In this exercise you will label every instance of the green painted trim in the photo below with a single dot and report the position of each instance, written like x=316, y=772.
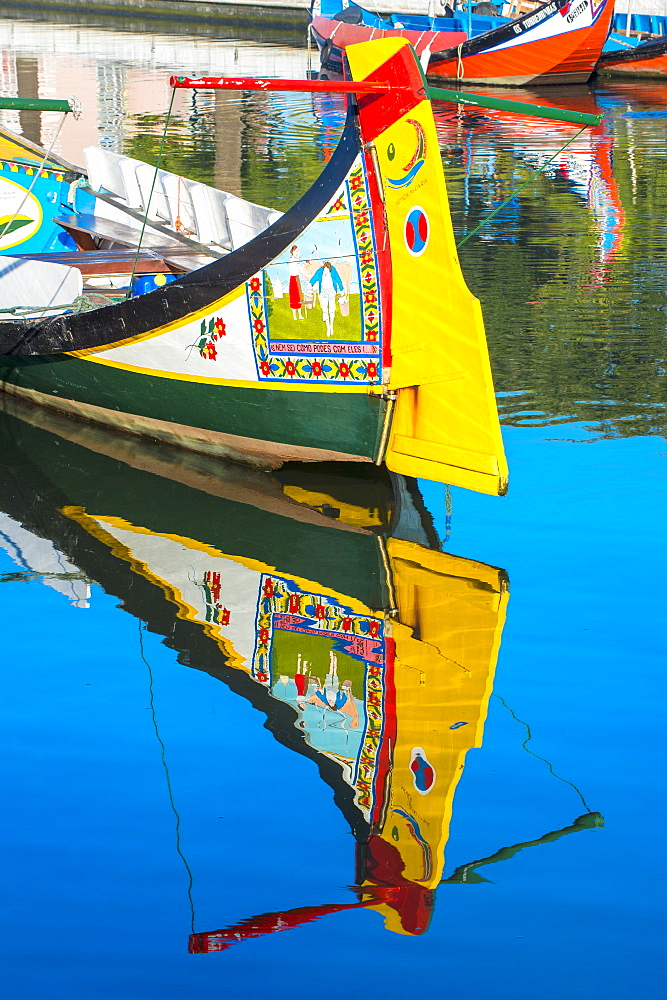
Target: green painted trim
x=516, y=107
x=33, y=104
x=342, y=422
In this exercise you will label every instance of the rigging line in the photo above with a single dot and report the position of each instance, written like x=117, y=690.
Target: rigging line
x=150, y=195
x=163, y=755
x=520, y=188
x=536, y=755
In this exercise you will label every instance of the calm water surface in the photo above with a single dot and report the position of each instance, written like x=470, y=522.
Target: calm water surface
x=165, y=787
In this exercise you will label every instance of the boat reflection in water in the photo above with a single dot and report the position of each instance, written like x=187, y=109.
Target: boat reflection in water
x=323, y=599
x=578, y=159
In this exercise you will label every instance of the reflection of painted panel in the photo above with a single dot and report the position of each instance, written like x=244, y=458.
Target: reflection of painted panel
x=329, y=663
x=326, y=659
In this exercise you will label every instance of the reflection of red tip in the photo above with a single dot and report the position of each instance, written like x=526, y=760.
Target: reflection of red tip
x=266, y=923
x=384, y=868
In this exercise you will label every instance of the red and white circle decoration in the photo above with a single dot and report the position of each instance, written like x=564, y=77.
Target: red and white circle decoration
x=416, y=231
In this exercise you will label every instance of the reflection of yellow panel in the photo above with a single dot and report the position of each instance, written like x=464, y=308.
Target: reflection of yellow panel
x=348, y=513
x=446, y=422
x=451, y=613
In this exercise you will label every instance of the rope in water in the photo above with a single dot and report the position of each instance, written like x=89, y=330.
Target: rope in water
x=150, y=196
x=520, y=187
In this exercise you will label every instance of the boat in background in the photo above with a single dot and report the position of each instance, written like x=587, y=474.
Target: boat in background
x=637, y=46
x=322, y=597
x=557, y=42
x=335, y=24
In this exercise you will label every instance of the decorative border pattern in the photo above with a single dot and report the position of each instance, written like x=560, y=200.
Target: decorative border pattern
x=21, y=168
x=340, y=363
x=363, y=233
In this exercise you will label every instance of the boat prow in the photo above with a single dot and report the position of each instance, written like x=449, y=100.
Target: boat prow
x=342, y=330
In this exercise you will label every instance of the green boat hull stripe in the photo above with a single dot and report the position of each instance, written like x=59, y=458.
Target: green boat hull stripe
x=350, y=423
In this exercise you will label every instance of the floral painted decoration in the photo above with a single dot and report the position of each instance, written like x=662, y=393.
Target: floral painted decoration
x=211, y=330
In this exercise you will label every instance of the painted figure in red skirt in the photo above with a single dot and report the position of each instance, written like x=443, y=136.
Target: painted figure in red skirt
x=295, y=276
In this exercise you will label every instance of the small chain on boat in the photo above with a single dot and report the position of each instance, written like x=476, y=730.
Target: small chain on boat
x=520, y=188
x=150, y=195
x=448, y=513
x=38, y=171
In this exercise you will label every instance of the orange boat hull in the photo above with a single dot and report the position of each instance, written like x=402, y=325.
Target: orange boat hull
x=564, y=58
x=649, y=59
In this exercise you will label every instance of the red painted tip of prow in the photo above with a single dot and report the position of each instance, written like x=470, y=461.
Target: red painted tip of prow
x=403, y=89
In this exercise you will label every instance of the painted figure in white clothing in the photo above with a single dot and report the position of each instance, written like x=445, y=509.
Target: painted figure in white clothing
x=327, y=283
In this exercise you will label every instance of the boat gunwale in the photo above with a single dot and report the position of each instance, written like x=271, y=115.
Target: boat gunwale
x=649, y=49
x=193, y=291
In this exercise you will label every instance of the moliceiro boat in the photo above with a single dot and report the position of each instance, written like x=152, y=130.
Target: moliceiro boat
x=342, y=330
x=636, y=46
x=549, y=43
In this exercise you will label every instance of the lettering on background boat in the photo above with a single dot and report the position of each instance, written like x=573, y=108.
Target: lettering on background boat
x=534, y=19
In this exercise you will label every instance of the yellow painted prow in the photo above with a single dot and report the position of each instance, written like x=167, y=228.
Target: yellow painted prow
x=451, y=613
x=445, y=426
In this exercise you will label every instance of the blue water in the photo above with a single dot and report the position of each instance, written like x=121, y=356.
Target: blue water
x=142, y=798
x=96, y=893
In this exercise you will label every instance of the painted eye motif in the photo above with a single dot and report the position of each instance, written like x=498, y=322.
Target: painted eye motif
x=391, y=151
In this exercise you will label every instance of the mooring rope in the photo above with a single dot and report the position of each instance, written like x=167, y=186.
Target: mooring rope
x=170, y=792
x=520, y=187
x=82, y=303
x=460, y=71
